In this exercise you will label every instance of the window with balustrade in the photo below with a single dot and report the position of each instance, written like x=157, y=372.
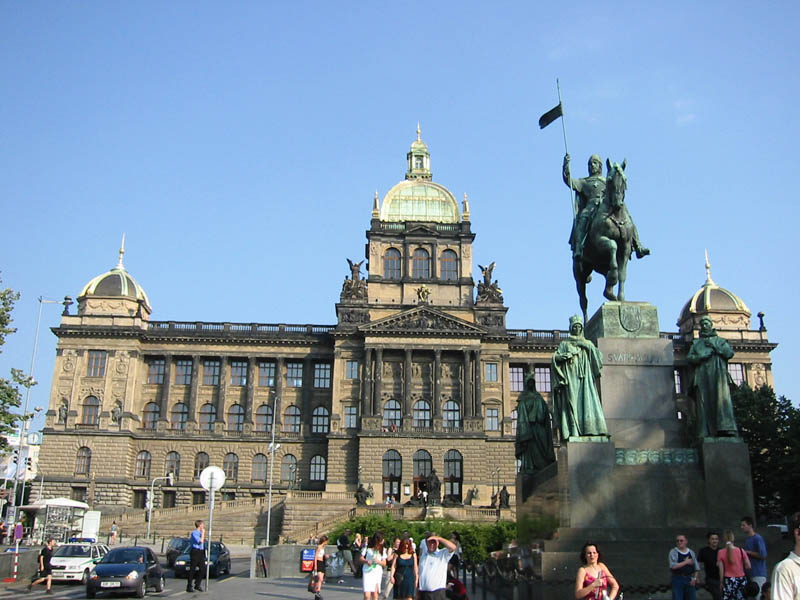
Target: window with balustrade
x=320, y=420
x=143, y=460
x=90, y=413
x=259, y=468
x=201, y=461
x=392, y=415
x=150, y=415
x=236, y=418
x=208, y=416
x=179, y=416
x=291, y=420
x=451, y=415
x=421, y=414
x=172, y=464
x=230, y=465
x=264, y=419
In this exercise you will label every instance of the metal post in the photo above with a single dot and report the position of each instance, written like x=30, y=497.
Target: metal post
x=212, y=490
x=272, y=450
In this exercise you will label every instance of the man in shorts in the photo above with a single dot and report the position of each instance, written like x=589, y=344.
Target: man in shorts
x=343, y=544
x=45, y=570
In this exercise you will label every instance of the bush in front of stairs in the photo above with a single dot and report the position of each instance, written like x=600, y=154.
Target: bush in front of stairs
x=477, y=539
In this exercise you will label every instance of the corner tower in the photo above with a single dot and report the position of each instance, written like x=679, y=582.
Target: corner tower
x=419, y=245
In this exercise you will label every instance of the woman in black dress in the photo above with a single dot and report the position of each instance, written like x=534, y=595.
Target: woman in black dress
x=405, y=572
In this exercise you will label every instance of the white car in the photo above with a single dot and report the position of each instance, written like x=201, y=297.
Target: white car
x=74, y=561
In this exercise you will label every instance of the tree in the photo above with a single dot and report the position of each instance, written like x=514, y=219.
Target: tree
x=771, y=428
x=10, y=396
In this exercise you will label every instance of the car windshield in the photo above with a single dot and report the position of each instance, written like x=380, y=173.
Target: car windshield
x=179, y=544
x=215, y=547
x=73, y=550
x=124, y=555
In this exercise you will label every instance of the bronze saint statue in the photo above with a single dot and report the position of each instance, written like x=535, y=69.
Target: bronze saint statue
x=534, y=444
x=709, y=355
x=575, y=366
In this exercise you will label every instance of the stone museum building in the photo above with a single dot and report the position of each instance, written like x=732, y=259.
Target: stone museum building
x=418, y=373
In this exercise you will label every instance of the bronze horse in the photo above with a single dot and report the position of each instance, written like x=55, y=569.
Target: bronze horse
x=609, y=241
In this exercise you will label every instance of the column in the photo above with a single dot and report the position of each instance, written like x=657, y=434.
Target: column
x=164, y=409
x=366, y=385
x=406, y=262
x=478, y=388
x=308, y=387
x=407, y=383
x=437, y=383
x=195, y=386
x=435, y=261
x=251, y=387
x=222, y=388
x=378, y=393
x=466, y=385
x=277, y=419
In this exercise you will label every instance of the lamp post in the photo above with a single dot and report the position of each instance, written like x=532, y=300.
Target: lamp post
x=273, y=447
x=170, y=479
x=24, y=421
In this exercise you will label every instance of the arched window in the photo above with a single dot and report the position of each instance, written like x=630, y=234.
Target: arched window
x=264, y=419
x=421, y=264
x=320, y=420
x=259, y=468
x=448, y=266
x=392, y=473
x=83, y=461
x=391, y=414
x=200, y=462
x=391, y=264
x=422, y=414
x=291, y=420
x=422, y=470
x=179, y=416
x=453, y=475
x=208, y=414
x=91, y=411
x=318, y=468
x=152, y=412
x=143, y=460
x=173, y=465
x=289, y=468
x=236, y=418
x=230, y=464
x=452, y=415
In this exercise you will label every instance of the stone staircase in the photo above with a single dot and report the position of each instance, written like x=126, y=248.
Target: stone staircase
x=310, y=514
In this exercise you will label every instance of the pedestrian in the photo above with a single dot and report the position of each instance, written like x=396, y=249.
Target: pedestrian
x=197, y=555
x=455, y=562
x=114, y=532
x=786, y=574
x=433, y=562
x=456, y=590
x=594, y=578
x=756, y=549
x=391, y=558
x=708, y=558
x=357, y=547
x=373, y=559
x=765, y=591
x=732, y=563
x=343, y=547
x=3, y=531
x=684, y=566
x=318, y=575
x=45, y=570
x=404, y=576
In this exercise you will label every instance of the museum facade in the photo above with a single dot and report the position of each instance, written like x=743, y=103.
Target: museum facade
x=418, y=374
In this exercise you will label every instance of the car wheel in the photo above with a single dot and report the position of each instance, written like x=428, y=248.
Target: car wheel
x=85, y=578
x=160, y=584
x=214, y=572
x=141, y=590
x=90, y=593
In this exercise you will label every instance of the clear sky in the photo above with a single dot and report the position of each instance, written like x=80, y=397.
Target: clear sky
x=239, y=145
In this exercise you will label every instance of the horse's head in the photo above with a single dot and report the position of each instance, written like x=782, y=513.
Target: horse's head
x=616, y=185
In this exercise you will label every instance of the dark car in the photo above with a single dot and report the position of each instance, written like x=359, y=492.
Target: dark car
x=176, y=547
x=130, y=569
x=220, y=561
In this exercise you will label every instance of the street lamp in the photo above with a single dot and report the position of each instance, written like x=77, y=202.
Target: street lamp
x=273, y=447
x=24, y=421
x=170, y=479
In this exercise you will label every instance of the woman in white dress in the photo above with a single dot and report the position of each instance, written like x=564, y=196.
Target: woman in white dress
x=373, y=557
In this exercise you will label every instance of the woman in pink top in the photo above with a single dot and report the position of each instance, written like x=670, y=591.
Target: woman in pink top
x=732, y=562
x=594, y=579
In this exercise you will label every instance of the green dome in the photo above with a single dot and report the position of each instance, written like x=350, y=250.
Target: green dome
x=419, y=200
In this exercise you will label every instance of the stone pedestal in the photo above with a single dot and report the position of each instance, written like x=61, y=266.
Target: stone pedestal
x=729, y=488
x=586, y=484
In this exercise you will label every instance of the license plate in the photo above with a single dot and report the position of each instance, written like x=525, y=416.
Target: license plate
x=108, y=584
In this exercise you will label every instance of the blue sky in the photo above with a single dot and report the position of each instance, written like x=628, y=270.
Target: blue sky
x=239, y=144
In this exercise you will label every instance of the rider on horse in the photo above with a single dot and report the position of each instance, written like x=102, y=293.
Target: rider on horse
x=591, y=191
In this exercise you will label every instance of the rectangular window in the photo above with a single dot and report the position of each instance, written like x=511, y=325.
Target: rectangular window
x=351, y=417
x=322, y=375
x=266, y=374
x=78, y=494
x=210, y=372
x=239, y=372
x=183, y=371
x=139, y=498
x=155, y=370
x=168, y=500
x=492, y=419
x=490, y=371
x=294, y=374
x=351, y=370
x=542, y=377
x=97, y=363
x=736, y=371
x=678, y=381
x=517, y=378
x=198, y=498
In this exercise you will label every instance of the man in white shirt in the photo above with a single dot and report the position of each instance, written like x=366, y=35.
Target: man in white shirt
x=786, y=575
x=433, y=567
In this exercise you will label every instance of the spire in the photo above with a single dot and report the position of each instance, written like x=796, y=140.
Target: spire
x=465, y=208
x=419, y=159
x=709, y=281
x=121, y=253
x=376, y=209
x=419, y=133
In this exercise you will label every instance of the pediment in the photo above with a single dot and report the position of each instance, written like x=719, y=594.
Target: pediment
x=423, y=320
x=420, y=229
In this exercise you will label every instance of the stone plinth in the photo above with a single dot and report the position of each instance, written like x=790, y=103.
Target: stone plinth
x=633, y=320
x=729, y=488
x=586, y=484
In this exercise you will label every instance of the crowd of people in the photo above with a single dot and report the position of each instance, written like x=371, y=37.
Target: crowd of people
x=401, y=569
